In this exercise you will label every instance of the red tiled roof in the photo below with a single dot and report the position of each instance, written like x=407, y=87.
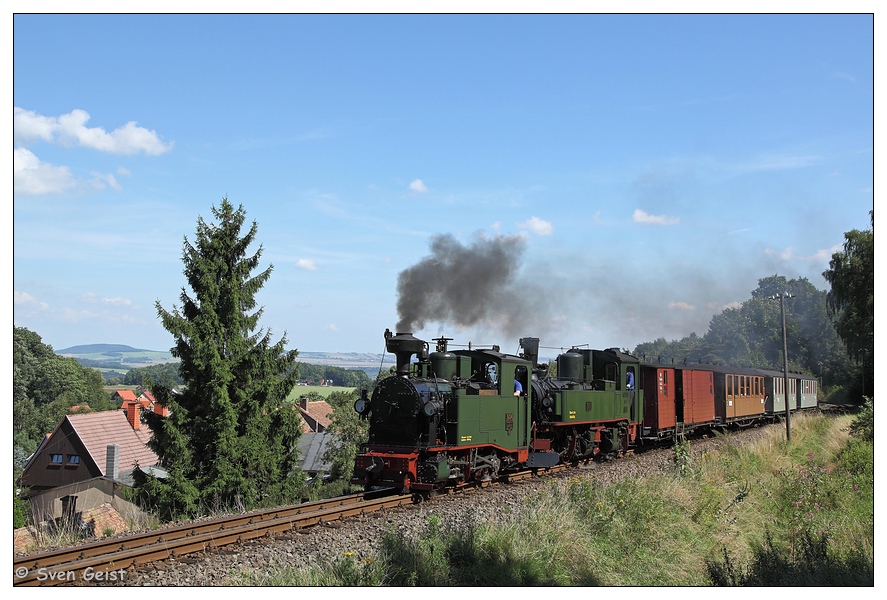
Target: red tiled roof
x=104, y=519
x=320, y=412
x=100, y=429
x=125, y=395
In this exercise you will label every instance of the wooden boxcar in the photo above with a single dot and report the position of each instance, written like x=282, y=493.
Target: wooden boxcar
x=676, y=399
x=740, y=395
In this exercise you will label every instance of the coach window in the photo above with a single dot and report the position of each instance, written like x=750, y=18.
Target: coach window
x=729, y=385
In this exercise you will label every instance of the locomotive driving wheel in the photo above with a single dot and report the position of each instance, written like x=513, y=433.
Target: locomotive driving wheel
x=570, y=439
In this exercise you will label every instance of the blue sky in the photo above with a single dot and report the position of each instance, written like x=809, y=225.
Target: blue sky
x=641, y=172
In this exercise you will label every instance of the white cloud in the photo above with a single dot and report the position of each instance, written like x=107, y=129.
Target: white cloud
x=307, y=264
x=27, y=300
x=32, y=177
x=826, y=254
x=417, y=186
x=100, y=181
x=641, y=216
x=537, y=226
x=71, y=130
x=117, y=301
x=332, y=327
x=847, y=76
x=780, y=162
x=681, y=306
x=783, y=255
x=28, y=126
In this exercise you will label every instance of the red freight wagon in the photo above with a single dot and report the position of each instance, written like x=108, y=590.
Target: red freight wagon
x=660, y=414
x=698, y=395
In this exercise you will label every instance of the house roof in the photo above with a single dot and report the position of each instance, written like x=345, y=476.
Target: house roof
x=311, y=449
x=147, y=399
x=125, y=395
x=319, y=411
x=100, y=429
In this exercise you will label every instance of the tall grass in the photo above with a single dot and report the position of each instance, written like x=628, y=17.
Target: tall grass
x=766, y=513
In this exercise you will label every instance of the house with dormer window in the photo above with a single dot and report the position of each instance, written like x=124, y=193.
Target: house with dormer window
x=85, y=459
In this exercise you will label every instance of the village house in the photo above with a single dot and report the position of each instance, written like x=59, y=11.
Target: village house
x=315, y=438
x=82, y=463
x=315, y=415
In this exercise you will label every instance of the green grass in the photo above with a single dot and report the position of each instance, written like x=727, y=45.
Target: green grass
x=323, y=390
x=767, y=513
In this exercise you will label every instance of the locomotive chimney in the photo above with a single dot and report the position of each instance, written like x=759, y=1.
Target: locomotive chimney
x=531, y=349
x=403, y=346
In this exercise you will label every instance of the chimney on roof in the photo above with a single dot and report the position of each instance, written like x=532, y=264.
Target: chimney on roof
x=132, y=408
x=161, y=409
x=303, y=402
x=112, y=460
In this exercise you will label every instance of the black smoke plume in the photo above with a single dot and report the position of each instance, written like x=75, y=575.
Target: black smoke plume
x=465, y=286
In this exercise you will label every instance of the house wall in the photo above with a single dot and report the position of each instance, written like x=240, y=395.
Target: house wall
x=90, y=494
x=43, y=474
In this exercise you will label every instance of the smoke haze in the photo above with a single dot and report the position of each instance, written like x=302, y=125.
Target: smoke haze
x=465, y=286
x=586, y=296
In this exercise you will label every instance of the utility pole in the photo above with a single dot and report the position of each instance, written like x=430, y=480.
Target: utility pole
x=788, y=413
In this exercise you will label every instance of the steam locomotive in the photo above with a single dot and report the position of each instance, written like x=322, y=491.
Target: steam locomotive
x=477, y=414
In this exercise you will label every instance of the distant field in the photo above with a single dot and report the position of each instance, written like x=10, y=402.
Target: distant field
x=110, y=389
x=138, y=358
x=323, y=390
x=300, y=390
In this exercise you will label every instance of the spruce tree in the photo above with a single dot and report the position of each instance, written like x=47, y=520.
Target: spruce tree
x=230, y=440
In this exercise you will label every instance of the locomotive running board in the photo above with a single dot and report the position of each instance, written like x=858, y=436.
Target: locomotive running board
x=543, y=459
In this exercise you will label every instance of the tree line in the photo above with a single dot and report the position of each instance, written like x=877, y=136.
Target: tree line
x=828, y=334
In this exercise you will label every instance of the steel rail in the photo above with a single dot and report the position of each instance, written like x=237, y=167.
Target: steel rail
x=108, y=558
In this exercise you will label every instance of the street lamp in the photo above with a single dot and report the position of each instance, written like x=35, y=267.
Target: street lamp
x=788, y=413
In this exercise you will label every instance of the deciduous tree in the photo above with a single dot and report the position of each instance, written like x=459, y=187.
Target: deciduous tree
x=851, y=299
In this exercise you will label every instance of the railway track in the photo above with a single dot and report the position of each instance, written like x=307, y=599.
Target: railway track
x=108, y=560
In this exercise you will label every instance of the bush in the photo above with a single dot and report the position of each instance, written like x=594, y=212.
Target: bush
x=20, y=510
x=863, y=427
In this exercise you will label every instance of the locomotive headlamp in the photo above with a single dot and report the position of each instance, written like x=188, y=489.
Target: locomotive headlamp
x=430, y=409
x=362, y=404
x=546, y=401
